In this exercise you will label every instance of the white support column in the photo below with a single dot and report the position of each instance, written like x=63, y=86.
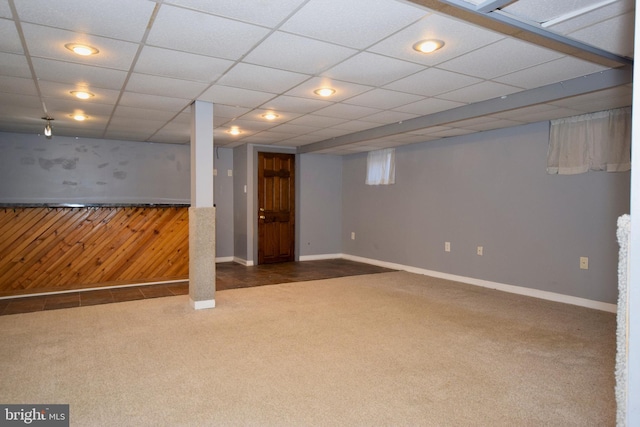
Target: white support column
x=202, y=213
x=633, y=306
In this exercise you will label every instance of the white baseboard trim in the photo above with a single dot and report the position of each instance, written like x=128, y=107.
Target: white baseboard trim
x=201, y=305
x=243, y=261
x=225, y=259
x=97, y=288
x=319, y=257
x=535, y=293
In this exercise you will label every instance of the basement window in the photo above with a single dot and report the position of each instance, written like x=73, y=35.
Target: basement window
x=381, y=167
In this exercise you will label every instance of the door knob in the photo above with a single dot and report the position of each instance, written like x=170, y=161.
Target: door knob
x=262, y=217
x=261, y=209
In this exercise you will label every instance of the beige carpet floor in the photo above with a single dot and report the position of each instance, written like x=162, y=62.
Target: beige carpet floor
x=390, y=349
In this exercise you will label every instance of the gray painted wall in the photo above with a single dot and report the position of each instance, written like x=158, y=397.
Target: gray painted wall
x=66, y=170
x=319, y=204
x=83, y=170
x=223, y=199
x=490, y=189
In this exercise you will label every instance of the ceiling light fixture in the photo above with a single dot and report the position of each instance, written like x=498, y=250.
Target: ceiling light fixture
x=79, y=117
x=235, y=130
x=325, y=91
x=81, y=49
x=428, y=46
x=81, y=94
x=48, y=131
x=270, y=116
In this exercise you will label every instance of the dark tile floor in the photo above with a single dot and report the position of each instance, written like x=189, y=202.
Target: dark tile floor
x=228, y=276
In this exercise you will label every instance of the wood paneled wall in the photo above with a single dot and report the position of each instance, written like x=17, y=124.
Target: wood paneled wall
x=51, y=249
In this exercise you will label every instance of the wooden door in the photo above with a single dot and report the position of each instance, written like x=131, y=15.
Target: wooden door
x=276, y=207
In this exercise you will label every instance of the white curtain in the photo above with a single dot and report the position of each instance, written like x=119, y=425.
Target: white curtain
x=598, y=141
x=381, y=167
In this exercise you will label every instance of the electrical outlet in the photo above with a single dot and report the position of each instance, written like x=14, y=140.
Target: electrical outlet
x=215, y=172
x=480, y=250
x=447, y=246
x=353, y=235
x=584, y=263
x=229, y=172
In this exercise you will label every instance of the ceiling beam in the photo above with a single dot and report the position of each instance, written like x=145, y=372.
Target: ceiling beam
x=501, y=22
x=491, y=5
x=544, y=94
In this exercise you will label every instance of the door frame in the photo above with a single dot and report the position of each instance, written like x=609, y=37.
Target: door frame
x=252, y=198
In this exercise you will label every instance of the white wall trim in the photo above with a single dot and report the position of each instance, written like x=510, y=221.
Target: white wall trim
x=98, y=288
x=243, y=261
x=535, y=293
x=319, y=257
x=225, y=259
x=201, y=305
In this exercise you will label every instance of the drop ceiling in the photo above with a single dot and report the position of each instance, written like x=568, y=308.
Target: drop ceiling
x=504, y=63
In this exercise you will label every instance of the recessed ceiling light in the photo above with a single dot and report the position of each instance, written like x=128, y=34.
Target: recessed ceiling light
x=82, y=94
x=235, y=130
x=325, y=91
x=79, y=117
x=81, y=49
x=270, y=116
x=428, y=46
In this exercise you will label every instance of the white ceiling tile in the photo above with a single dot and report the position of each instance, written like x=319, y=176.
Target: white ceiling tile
x=544, y=10
x=351, y=112
x=610, y=41
x=550, y=72
x=119, y=19
x=295, y=104
x=9, y=40
x=257, y=115
x=317, y=121
x=219, y=94
x=255, y=77
x=204, y=34
x=583, y=20
x=14, y=65
x=143, y=113
x=229, y=111
x=356, y=125
x=260, y=12
x=186, y=66
x=45, y=42
x=63, y=90
x=153, y=102
x=5, y=10
x=432, y=82
x=295, y=129
x=296, y=53
x=64, y=108
x=334, y=21
x=164, y=86
x=500, y=58
x=78, y=74
x=429, y=106
x=380, y=69
x=17, y=85
x=15, y=100
x=383, y=99
x=480, y=92
x=252, y=126
x=343, y=90
x=459, y=38
x=385, y=117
